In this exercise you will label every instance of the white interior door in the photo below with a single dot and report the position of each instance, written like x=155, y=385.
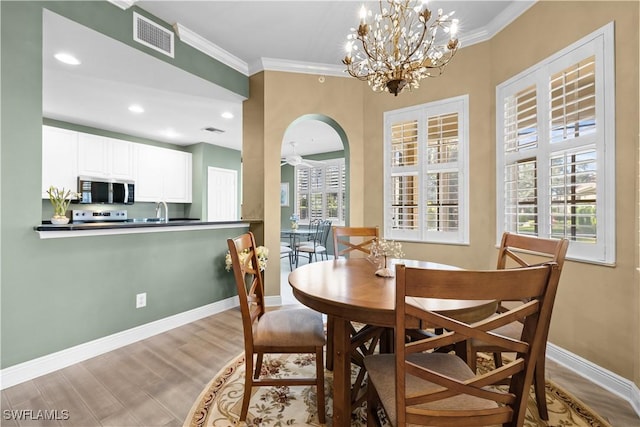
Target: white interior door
x=222, y=194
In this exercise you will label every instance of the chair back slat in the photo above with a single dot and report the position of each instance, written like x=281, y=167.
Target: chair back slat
x=249, y=283
x=535, y=284
x=524, y=251
x=348, y=241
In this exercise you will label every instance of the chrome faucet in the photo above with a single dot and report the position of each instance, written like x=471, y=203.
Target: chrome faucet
x=166, y=211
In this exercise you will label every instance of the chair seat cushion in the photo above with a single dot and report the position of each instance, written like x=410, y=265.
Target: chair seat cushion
x=318, y=248
x=381, y=370
x=285, y=250
x=511, y=330
x=300, y=327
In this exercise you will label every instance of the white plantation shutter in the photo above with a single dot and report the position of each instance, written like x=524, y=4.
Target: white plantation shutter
x=573, y=101
x=521, y=120
x=555, y=140
x=302, y=194
x=320, y=191
x=403, y=210
x=573, y=195
x=441, y=185
x=425, y=172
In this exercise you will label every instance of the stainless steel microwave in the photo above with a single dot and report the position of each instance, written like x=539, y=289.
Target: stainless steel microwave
x=103, y=191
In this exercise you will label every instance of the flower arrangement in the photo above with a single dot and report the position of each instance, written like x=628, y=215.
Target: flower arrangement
x=60, y=199
x=381, y=249
x=294, y=218
x=262, y=253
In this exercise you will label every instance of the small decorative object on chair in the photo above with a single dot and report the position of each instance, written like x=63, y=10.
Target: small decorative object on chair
x=381, y=250
x=60, y=199
x=262, y=253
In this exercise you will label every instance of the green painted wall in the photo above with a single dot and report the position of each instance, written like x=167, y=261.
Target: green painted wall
x=63, y=292
x=204, y=156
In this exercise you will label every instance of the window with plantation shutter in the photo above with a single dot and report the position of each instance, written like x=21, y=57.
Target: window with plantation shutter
x=556, y=142
x=320, y=191
x=426, y=172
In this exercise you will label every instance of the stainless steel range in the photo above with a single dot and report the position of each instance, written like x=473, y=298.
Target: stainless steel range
x=98, y=216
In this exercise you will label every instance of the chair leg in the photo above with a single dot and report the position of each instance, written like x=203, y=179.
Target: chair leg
x=497, y=359
x=539, y=386
x=329, y=361
x=320, y=386
x=259, y=357
x=372, y=404
x=248, y=383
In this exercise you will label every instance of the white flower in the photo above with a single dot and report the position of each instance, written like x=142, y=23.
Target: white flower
x=262, y=253
x=386, y=248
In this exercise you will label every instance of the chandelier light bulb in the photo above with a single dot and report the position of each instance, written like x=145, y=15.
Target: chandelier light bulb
x=453, y=30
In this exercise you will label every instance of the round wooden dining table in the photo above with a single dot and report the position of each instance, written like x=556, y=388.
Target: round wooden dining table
x=349, y=290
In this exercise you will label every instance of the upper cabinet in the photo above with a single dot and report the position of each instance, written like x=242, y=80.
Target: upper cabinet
x=102, y=157
x=162, y=174
x=158, y=173
x=59, y=159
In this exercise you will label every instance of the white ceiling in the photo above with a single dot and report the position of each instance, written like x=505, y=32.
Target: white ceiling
x=302, y=35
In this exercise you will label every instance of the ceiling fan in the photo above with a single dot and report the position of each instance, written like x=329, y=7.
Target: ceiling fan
x=297, y=160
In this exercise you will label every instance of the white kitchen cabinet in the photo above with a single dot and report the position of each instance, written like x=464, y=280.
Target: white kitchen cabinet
x=177, y=180
x=103, y=157
x=59, y=159
x=163, y=174
x=121, y=159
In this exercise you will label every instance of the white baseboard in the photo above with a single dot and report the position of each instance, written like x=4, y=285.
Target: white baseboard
x=606, y=379
x=31, y=369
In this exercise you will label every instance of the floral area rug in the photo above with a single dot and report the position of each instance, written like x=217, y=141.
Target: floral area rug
x=219, y=403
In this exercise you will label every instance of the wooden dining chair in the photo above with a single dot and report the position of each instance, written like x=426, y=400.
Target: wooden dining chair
x=353, y=240
x=348, y=241
x=420, y=386
x=517, y=251
x=279, y=331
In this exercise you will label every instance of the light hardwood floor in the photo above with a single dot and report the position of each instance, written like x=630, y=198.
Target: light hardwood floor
x=154, y=382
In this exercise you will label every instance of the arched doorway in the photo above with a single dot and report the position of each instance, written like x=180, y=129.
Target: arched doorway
x=307, y=142
x=314, y=175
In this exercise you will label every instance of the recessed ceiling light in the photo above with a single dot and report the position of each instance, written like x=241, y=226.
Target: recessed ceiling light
x=67, y=58
x=170, y=133
x=135, y=108
x=227, y=115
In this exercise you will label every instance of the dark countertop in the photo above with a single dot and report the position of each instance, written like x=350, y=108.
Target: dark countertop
x=109, y=225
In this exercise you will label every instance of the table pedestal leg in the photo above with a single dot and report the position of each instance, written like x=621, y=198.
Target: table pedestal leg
x=341, y=373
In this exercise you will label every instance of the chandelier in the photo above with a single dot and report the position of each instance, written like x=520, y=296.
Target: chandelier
x=400, y=46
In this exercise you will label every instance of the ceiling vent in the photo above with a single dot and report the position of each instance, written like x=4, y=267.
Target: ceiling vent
x=152, y=35
x=212, y=129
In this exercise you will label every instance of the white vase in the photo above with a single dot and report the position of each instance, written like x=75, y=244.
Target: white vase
x=59, y=220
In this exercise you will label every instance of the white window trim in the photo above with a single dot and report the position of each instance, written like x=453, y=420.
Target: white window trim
x=459, y=104
x=601, y=43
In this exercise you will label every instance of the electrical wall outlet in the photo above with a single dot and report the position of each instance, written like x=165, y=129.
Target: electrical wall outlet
x=141, y=300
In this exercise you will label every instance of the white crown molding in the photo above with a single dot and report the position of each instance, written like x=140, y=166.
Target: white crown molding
x=123, y=4
x=514, y=10
x=606, y=379
x=508, y=15
x=52, y=362
x=286, y=65
x=504, y=18
x=196, y=41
